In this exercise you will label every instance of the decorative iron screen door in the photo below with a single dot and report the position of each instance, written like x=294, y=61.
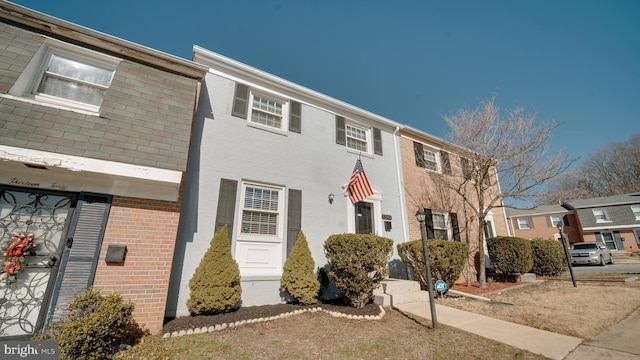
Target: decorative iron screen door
x=25, y=294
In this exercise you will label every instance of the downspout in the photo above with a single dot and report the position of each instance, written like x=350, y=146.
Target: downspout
x=403, y=207
x=504, y=212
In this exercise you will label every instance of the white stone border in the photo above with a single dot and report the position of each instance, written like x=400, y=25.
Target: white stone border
x=232, y=325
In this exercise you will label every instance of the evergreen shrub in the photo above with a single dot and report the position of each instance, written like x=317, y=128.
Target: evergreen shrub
x=298, y=278
x=510, y=255
x=358, y=262
x=215, y=285
x=446, y=260
x=96, y=325
x=548, y=257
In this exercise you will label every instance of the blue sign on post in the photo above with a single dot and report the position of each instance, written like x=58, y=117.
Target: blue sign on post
x=441, y=287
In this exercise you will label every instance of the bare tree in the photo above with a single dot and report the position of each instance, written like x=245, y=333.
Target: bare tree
x=612, y=170
x=512, y=147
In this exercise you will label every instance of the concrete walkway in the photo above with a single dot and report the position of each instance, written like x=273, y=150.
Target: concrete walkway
x=546, y=343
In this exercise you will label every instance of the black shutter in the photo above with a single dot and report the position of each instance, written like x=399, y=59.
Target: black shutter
x=241, y=101
x=341, y=136
x=454, y=226
x=599, y=238
x=446, y=164
x=565, y=220
x=429, y=223
x=80, y=258
x=294, y=218
x=377, y=141
x=466, y=171
x=419, y=153
x=295, y=117
x=618, y=239
x=226, y=205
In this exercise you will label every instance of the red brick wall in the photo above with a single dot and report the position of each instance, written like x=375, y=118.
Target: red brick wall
x=148, y=228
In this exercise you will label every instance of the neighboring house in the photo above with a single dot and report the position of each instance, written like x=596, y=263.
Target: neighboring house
x=270, y=158
x=94, y=139
x=429, y=164
x=613, y=220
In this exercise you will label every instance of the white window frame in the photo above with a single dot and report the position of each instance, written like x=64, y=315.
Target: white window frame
x=637, y=234
x=29, y=80
x=446, y=227
x=636, y=211
x=436, y=159
x=284, y=117
x=367, y=134
x=521, y=222
x=602, y=213
x=258, y=254
x=554, y=222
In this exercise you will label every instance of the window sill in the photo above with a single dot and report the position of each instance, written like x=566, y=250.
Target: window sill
x=247, y=278
x=52, y=104
x=356, y=152
x=267, y=128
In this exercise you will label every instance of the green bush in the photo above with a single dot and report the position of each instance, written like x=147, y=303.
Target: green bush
x=510, y=255
x=358, y=262
x=298, y=279
x=215, y=285
x=446, y=260
x=96, y=326
x=548, y=257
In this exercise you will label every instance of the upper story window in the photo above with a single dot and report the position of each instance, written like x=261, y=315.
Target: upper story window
x=67, y=75
x=432, y=159
x=556, y=220
x=636, y=211
x=523, y=223
x=74, y=80
x=358, y=137
x=600, y=215
x=266, y=109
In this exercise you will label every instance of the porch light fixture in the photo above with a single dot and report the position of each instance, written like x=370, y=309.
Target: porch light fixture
x=331, y=197
x=566, y=254
x=421, y=216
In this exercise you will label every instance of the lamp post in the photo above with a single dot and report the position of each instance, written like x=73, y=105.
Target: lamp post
x=567, y=255
x=421, y=216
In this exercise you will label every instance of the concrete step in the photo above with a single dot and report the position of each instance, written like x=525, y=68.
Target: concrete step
x=396, y=291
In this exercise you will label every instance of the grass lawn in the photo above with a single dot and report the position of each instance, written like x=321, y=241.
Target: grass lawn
x=322, y=336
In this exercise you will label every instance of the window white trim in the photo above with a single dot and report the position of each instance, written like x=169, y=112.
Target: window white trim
x=260, y=254
x=27, y=84
x=524, y=223
x=556, y=220
x=636, y=211
x=445, y=227
x=431, y=158
x=601, y=215
x=268, y=114
x=358, y=137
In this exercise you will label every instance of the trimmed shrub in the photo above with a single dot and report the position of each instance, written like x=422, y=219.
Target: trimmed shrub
x=358, y=262
x=446, y=260
x=215, y=285
x=298, y=279
x=96, y=326
x=548, y=257
x=510, y=255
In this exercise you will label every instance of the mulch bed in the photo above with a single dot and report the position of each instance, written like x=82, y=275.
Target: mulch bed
x=263, y=311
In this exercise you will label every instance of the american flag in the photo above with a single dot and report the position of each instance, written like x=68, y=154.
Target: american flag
x=359, y=186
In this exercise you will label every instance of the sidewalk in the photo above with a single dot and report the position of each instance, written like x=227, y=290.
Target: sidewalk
x=546, y=343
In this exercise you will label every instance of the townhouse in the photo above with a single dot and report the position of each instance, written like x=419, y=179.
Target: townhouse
x=612, y=220
x=94, y=139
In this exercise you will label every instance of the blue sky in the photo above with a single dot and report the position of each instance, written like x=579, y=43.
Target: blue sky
x=576, y=62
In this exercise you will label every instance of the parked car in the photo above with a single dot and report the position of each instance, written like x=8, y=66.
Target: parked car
x=590, y=253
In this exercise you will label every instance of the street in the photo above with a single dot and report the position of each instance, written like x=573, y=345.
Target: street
x=618, y=268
